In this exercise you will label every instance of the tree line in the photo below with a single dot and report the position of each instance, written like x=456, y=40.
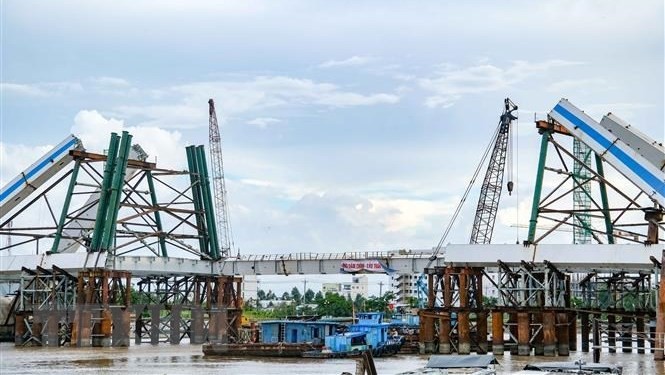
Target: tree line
x=310, y=303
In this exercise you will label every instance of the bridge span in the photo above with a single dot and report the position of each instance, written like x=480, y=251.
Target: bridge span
x=567, y=258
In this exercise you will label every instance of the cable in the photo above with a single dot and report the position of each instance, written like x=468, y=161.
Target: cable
x=466, y=194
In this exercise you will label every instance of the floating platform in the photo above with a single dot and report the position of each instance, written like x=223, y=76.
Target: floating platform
x=259, y=349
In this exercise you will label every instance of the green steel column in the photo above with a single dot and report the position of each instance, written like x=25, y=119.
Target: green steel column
x=102, y=205
x=196, y=197
x=158, y=219
x=207, y=202
x=539, y=186
x=65, y=207
x=116, y=191
x=603, y=197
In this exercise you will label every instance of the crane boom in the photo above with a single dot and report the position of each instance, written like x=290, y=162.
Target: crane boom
x=490, y=192
x=488, y=203
x=219, y=186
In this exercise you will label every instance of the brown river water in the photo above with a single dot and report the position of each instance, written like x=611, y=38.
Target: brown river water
x=188, y=359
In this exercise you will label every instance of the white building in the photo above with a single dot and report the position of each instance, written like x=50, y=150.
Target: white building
x=250, y=288
x=405, y=286
x=357, y=286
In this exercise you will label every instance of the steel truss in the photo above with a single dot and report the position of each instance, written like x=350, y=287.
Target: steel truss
x=531, y=285
x=632, y=216
x=201, y=308
x=43, y=308
x=144, y=225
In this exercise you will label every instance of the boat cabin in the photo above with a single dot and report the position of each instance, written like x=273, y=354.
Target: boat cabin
x=371, y=323
x=347, y=342
x=293, y=331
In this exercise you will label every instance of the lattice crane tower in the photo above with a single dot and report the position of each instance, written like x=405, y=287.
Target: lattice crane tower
x=219, y=186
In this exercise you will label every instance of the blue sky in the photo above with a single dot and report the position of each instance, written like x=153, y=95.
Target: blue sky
x=345, y=126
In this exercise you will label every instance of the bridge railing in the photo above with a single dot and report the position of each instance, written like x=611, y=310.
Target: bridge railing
x=331, y=256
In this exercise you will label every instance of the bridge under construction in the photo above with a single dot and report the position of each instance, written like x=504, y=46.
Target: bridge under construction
x=124, y=229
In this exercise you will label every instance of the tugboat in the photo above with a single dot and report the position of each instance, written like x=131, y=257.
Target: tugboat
x=369, y=333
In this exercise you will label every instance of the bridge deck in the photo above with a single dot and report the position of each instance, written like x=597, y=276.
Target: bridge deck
x=571, y=258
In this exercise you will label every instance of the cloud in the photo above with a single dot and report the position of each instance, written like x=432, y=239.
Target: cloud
x=263, y=122
x=15, y=158
x=44, y=89
x=351, y=61
x=165, y=147
x=21, y=89
x=245, y=96
x=450, y=84
x=111, y=81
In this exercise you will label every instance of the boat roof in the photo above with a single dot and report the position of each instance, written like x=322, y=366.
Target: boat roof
x=353, y=334
x=458, y=361
x=597, y=368
x=308, y=322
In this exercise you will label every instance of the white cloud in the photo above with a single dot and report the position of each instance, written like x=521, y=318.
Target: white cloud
x=111, y=81
x=450, y=83
x=249, y=96
x=22, y=89
x=263, y=122
x=165, y=147
x=15, y=158
x=351, y=61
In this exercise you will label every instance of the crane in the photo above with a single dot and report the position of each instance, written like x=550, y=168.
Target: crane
x=490, y=192
x=224, y=232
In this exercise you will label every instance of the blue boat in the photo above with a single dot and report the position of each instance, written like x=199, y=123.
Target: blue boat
x=296, y=331
x=369, y=333
x=279, y=338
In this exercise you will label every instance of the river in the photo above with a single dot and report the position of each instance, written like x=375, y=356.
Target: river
x=188, y=359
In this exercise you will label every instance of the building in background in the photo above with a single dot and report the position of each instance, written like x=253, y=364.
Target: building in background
x=357, y=286
x=405, y=287
x=250, y=288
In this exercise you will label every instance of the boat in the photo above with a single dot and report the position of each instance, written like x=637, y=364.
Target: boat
x=457, y=364
x=369, y=333
x=279, y=338
x=577, y=367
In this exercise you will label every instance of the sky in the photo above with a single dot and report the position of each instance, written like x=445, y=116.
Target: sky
x=345, y=125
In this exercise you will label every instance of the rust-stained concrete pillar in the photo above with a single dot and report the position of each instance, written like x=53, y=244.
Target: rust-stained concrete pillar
x=426, y=339
x=572, y=330
x=497, y=333
x=224, y=325
x=197, y=334
x=213, y=326
x=584, y=322
x=627, y=334
x=549, y=333
x=155, y=311
x=523, y=333
x=19, y=329
x=139, y=326
x=464, y=333
x=481, y=331
x=101, y=334
x=82, y=328
x=512, y=326
x=639, y=327
x=562, y=333
x=444, y=333
x=52, y=336
x=537, y=342
x=121, y=326
x=611, y=332
x=174, y=324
